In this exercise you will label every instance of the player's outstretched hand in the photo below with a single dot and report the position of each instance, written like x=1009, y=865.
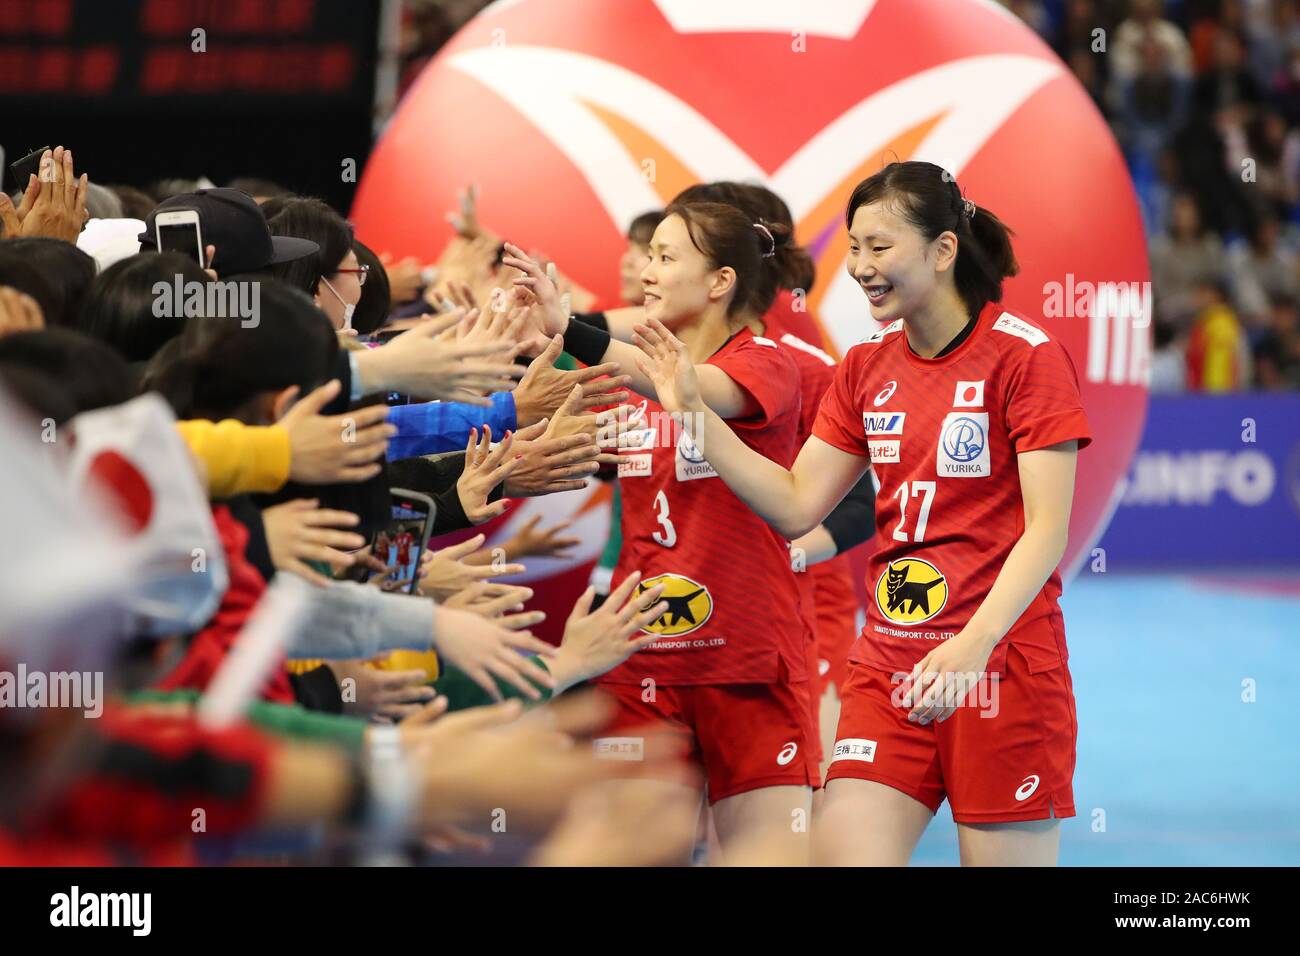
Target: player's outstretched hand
x=669, y=367
x=548, y=305
x=595, y=642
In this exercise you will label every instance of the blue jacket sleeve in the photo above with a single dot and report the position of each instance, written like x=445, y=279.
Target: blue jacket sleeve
x=432, y=428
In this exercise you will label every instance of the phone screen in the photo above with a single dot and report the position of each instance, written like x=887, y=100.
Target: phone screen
x=182, y=237
x=400, y=543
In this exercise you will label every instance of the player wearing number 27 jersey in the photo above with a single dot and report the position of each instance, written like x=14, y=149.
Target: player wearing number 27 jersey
x=943, y=435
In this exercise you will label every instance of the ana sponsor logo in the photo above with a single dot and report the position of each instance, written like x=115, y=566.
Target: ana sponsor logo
x=883, y=423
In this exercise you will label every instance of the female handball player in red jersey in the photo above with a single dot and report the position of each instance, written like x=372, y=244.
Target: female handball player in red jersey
x=971, y=419
x=729, y=671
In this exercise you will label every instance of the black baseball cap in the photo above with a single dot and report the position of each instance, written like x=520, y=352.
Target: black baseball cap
x=233, y=222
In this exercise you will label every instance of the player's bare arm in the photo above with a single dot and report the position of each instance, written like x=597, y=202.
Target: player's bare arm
x=1047, y=487
x=793, y=502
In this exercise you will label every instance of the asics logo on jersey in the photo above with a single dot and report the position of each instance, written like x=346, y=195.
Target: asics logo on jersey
x=884, y=394
x=963, y=440
x=787, y=753
x=1026, y=789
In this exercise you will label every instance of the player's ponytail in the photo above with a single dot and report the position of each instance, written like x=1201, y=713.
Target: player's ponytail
x=728, y=236
x=929, y=198
x=793, y=265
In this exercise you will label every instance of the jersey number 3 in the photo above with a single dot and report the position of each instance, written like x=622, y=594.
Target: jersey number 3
x=668, y=536
x=926, y=490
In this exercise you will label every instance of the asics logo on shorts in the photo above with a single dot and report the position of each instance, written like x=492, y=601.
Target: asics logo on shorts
x=1026, y=789
x=787, y=753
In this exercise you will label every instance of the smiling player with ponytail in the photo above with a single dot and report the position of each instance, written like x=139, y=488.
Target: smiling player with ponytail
x=970, y=416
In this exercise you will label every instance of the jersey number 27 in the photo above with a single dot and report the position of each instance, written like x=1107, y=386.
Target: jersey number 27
x=926, y=490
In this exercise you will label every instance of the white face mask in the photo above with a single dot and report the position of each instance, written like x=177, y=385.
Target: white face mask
x=348, y=307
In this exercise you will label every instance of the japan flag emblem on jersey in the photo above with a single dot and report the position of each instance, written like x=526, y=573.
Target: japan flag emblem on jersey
x=968, y=395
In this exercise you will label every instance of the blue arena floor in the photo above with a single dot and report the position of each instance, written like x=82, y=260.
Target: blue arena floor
x=1174, y=767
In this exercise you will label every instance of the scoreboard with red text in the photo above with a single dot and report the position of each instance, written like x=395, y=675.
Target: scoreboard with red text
x=147, y=89
x=125, y=53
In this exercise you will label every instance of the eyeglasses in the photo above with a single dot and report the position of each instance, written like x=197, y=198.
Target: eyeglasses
x=360, y=273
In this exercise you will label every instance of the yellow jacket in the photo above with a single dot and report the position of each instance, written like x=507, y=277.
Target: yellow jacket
x=238, y=458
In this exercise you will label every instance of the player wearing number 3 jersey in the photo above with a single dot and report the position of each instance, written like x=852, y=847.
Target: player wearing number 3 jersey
x=728, y=674
x=970, y=416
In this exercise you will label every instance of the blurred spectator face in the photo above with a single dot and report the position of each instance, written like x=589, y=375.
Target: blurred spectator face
x=1265, y=237
x=1185, y=218
x=340, y=290
x=1153, y=56
x=1274, y=128
x=1206, y=295
x=1285, y=318
x=1146, y=11
x=633, y=262
x=1227, y=51
x=1167, y=166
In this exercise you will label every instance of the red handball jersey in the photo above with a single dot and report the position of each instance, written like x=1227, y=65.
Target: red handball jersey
x=942, y=435
x=733, y=615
